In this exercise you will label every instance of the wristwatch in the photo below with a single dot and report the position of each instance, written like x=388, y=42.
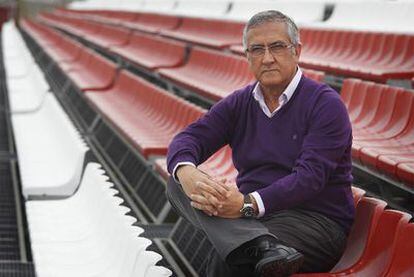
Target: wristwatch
x=247, y=211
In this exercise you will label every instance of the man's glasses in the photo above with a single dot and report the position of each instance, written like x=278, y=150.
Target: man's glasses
x=275, y=49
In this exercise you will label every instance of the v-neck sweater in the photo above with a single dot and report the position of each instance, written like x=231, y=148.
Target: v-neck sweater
x=299, y=158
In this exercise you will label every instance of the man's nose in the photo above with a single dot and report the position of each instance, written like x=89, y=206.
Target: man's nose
x=268, y=57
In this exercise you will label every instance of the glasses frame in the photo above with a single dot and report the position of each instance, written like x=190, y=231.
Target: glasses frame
x=279, y=51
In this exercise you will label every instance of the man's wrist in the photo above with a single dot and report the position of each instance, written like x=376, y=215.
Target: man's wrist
x=248, y=210
x=255, y=207
x=181, y=170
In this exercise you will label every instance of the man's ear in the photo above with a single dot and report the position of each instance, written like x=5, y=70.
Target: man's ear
x=297, y=49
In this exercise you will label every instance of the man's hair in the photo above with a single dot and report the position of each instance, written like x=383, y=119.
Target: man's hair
x=276, y=17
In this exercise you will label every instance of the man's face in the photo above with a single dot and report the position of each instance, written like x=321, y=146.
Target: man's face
x=275, y=66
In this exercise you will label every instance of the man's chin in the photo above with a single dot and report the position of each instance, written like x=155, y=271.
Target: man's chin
x=270, y=82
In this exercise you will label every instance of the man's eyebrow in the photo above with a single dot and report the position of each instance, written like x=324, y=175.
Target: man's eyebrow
x=278, y=42
x=272, y=43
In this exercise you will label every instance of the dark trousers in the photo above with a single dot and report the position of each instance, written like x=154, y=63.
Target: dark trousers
x=321, y=240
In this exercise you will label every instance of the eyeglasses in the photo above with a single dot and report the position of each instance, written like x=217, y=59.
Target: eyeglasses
x=275, y=49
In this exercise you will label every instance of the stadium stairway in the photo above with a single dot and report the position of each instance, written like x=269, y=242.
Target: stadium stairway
x=15, y=256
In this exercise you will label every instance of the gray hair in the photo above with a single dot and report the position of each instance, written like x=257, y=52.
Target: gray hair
x=272, y=16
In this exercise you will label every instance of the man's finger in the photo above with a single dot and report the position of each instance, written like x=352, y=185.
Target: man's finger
x=218, y=190
x=210, y=194
x=205, y=208
x=199, y=199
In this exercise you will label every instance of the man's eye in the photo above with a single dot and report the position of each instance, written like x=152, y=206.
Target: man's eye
x=257, y=49
x=277, y=47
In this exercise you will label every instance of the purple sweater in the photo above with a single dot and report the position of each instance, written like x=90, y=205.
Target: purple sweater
x=299, y=158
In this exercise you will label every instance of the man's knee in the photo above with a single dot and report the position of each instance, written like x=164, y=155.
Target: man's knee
x=173, y=189
x=176, y=196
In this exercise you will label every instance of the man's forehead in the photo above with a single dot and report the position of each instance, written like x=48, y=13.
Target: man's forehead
x=267, y=32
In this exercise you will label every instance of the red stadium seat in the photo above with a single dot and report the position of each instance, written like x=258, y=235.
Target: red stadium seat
x=41, y=33
x=146, y=115
x=314, y=74
x=160, y=166
x=210, y=73
x=91, y=71
x=208, y=32
x=67, y=51
x=152, y=52
x=405, y=172
x=153, y=23
x=379, y=252
x=109, y=36
x=402, y=262
x=112, y=17
x=76, y=26
x=237, y=49
x=357, y=193
x=392, y=132
x=389, y=163
x=383, y=125
x=59, y=47
x=398, y=121
x=368, y=213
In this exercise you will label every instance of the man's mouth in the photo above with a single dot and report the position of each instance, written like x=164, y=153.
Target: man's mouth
x=269, y=70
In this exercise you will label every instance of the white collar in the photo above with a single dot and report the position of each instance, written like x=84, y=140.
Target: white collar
x=283, y=98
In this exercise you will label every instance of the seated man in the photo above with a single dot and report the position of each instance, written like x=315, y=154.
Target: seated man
x=291, y=137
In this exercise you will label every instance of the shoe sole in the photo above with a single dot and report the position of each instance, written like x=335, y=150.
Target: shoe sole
x=273, y=267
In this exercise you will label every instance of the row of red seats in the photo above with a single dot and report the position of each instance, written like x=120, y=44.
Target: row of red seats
x=383, y=124
x=87, y=69
x=366, y=55
x=148, y=22
x=208, y=32
x=140, y=51
x=232, y=70
x=146, y=115
x=122, y=97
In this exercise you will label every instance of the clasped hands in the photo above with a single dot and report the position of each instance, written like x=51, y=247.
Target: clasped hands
x=213, y=197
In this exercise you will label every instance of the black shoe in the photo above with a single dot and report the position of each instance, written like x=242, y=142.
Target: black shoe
x=270, y=258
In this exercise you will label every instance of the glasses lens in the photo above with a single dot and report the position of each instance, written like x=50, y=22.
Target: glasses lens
x=277, y=49
x=257, y=51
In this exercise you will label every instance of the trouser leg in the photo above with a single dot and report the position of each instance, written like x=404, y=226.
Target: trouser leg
x=321, y=240
x=225, y=234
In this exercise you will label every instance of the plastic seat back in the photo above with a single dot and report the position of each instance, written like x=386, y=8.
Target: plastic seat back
x=402, y=262
x=380, y=249
x=367, y=214
x=357, y=193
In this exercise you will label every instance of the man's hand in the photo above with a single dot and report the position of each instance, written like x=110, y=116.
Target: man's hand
x=233, y=204
x=206, y=193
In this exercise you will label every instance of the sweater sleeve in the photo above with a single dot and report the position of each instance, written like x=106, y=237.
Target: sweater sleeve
x=329, y=135
x=201, y=139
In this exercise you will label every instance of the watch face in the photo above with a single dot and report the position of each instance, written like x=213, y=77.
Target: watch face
x=247, y=211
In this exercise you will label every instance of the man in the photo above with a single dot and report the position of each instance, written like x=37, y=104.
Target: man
x=291, y=139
